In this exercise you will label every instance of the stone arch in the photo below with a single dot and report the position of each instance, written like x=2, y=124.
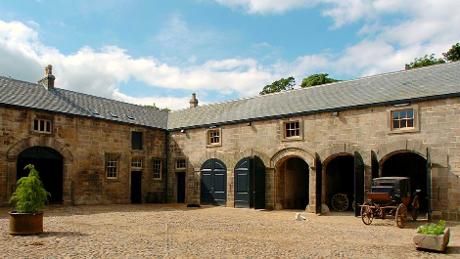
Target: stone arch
x=335, y=150
x=49, y=142
x=252, y=153
x=283, y=154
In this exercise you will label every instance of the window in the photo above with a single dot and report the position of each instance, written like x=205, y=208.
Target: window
x=42, y=126
x=213, y=136
x=136, y=164
x=136, y=140
x=111, y=165
x=181, y=164
x=402, y=119
x=156, y=168
x=292, y=129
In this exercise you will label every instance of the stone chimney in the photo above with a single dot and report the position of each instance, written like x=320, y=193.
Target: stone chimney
x=193, y=101
x=48, y=80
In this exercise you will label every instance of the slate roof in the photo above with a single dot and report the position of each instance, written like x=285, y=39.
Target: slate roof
x=431, y=82
x=30, y=95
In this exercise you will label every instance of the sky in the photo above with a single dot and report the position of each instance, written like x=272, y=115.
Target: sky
x=161, y=52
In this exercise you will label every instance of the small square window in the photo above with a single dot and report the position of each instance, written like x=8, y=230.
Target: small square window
x=136, y=140
x=292, y=129
x=136, y=164
x=42, y=126
x=213, y=137
x=181, y=164
x=402, y=119
x=156, y=169
x=111, y=165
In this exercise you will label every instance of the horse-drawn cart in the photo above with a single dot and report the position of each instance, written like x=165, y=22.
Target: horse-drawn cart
x=390, y=197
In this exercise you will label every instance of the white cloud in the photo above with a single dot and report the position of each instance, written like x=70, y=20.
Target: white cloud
x=265, y=6
x=100, y=72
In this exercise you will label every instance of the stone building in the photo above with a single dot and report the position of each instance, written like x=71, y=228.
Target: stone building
x=291, y=150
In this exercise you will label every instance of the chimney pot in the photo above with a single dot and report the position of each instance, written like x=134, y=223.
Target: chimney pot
x=193, y=101
x=48, y=80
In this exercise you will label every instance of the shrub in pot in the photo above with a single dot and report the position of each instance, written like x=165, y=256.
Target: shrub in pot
x=433, y=237
x=28, y=200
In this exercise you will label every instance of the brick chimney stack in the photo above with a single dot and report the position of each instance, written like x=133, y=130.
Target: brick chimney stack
x=48, y=80
x=193, y=101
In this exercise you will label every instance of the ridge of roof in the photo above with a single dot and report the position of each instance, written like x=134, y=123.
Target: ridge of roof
x=317, y=86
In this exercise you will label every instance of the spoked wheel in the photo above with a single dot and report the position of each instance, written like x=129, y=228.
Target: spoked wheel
x=401, y=215
x=366, y=214
x=415, y=207
x=340, y=202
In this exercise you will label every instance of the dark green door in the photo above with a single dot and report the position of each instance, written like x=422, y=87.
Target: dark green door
x=242, y=184
x=258, y=176
x=214, y=182
x=358, y=182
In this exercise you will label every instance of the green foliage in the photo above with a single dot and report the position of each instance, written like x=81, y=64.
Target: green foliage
x=425, y=61
x=433, y=229
x=317, y=79
x=279, y=85
x=453, y=54
x=30, y=195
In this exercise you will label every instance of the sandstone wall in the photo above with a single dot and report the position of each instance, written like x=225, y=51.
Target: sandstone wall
x=361, y=130
x=83, y=143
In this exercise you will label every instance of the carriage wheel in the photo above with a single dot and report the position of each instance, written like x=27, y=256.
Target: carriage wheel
x=366, y=214
x=415, y=207
x=401, y=215
x=340, y=202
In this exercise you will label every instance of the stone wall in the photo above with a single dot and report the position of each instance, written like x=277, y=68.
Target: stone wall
x=328, y=135
x=83, y=143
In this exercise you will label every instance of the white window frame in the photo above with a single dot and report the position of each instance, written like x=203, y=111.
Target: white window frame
x=112, y=164
x=137, y=164
x=42, y=126
x=416, y=123
x=284, y=124
x=157, y=171
x=178, y=160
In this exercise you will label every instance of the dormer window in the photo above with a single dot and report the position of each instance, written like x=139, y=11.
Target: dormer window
x=42, y=126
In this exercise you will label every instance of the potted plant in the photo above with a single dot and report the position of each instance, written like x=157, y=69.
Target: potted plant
x=433, y=237
x=28, y=201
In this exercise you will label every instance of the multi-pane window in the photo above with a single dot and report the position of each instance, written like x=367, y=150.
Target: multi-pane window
x=292, y=129
x=402, y=119
x=181, y=164
x=42, y=126
x=136, y=164
x=156, y=168
x=136, y=140
x=111, y=165
x=213, y=136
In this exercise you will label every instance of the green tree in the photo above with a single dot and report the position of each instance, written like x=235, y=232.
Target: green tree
x=317, y=79
x=453, y=54
x=424, y=61
x=279, y=85
x=30, y=195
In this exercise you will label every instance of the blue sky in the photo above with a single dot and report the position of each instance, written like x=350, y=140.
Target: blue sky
x=161, y=51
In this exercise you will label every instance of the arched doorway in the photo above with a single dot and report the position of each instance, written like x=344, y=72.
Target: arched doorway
x=293, y=183
x=412, y=165
x=213, y=182
x=340, y=182
x=49, y=164
x=249, y=182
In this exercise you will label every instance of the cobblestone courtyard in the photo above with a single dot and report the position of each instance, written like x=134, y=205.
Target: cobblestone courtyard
x=130, y=231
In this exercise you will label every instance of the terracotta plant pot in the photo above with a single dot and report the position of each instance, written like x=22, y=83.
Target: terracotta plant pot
x=436, y=243
x=26, y=223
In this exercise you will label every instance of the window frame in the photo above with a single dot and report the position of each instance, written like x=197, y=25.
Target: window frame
x=208, y=137
x=180, y=168
x=114, y=158
x=284, y=134
x=160, y=169
x=137, y=164
x=47, y=123
x=416, y=123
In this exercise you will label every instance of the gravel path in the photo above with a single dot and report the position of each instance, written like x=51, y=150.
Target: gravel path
x=133, y=231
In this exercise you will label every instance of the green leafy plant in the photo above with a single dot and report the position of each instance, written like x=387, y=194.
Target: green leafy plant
x=432, y=229
x=30, y=195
